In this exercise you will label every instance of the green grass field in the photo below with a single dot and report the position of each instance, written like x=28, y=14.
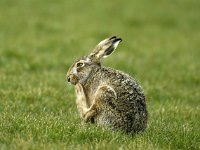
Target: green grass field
x=39, y=40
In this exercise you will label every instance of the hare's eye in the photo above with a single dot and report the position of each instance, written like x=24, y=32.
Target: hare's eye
x=79, y=65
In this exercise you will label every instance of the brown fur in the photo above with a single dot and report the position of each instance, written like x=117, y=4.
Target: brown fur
x=106, y=96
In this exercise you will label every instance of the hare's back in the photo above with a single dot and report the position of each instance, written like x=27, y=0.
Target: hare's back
x=124, y=85
x=128, y=110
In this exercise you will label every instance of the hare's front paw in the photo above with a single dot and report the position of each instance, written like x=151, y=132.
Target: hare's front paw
x=79, y=89
x=80, y=94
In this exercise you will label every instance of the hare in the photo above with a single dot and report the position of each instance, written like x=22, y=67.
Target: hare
x=106, y=96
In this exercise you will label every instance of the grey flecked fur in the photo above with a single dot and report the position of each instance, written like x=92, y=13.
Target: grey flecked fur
x=109, y=97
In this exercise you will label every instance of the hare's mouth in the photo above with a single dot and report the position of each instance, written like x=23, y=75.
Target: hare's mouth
x=72, y=79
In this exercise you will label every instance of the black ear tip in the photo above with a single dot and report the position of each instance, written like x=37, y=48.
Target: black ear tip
x=113, y=37
x=117, y=40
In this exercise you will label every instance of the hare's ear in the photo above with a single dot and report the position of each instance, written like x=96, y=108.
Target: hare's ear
x=105, y=48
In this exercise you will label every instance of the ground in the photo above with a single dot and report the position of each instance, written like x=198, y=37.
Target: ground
x=39, y=40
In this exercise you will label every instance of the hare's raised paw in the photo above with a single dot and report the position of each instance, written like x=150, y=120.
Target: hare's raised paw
x=79, y=88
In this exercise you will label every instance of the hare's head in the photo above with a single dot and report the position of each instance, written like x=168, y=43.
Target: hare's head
x=83, y=68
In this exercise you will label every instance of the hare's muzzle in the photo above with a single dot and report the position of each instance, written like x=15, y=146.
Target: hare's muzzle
x=72, y=79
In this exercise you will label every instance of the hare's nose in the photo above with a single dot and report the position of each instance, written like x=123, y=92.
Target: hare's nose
x=68, y=78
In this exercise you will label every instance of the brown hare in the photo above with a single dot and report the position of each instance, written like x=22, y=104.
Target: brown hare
x=107, y=96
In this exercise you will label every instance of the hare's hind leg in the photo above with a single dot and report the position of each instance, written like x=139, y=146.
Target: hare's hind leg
x=104, y=95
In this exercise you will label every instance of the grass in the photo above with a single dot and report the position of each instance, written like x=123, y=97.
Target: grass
x=40, y=39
